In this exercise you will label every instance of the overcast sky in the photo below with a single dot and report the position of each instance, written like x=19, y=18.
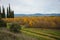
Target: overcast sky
x=33, y=6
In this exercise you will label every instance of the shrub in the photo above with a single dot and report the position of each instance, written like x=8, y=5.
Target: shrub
x=2, y=23
x=15, y=27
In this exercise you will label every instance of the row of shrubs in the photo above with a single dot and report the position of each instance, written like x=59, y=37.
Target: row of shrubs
x=13, y=27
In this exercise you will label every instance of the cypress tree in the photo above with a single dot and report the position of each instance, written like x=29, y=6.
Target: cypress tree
x=3, y=13
x=12, y=14
x=7, y=13
x=0, y=11
x=9, y=8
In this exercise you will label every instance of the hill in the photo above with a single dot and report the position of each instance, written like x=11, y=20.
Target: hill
x=36, y=14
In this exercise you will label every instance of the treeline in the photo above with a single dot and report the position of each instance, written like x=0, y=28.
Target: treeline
x=37, y=22
x=10, y=13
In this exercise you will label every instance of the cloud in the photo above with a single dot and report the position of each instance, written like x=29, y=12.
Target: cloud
x=33, y=6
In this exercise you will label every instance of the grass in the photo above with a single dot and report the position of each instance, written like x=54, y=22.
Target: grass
x=39, y=37
x=5, y=34
x=44, y=32
x=47, y=31
x=30, y=34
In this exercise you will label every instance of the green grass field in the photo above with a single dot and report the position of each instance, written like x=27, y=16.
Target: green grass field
x=42, y=34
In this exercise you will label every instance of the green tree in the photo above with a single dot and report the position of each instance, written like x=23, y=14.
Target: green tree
x=7, y=13
x=10, y=13
x=0, y=9
x=3, y=13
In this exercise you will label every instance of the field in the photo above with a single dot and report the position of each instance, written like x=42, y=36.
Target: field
x=30, y=34
x=35, y=28
x=37, y=21
x=42, y=34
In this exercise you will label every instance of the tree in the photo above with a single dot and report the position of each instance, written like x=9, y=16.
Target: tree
x=10, y=14
x=3, y=14
x=7, y=13
x=0, y=9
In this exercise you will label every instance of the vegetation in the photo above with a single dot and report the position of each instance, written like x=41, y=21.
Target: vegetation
x=10, y=13
x=15, y=27
x=2, y=23
x=3, y=14
x=42, y=34
x=37, y=22
x=7, y=36
x=39, y=28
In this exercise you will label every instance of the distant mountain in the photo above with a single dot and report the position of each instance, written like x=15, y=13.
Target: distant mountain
x=17, y=15
x=36, y=14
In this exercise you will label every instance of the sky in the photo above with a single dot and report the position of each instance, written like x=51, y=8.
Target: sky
x=32, y=6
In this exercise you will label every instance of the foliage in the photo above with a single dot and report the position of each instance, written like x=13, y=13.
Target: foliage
x=2, y=23
x=3, y=14
x=10, y=13
x=37, y=21
x=15, y=27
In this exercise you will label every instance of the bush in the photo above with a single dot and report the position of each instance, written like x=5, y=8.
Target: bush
x=2, y=23
x=15, y=27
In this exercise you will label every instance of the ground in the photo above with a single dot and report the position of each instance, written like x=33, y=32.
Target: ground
x=30, y=34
